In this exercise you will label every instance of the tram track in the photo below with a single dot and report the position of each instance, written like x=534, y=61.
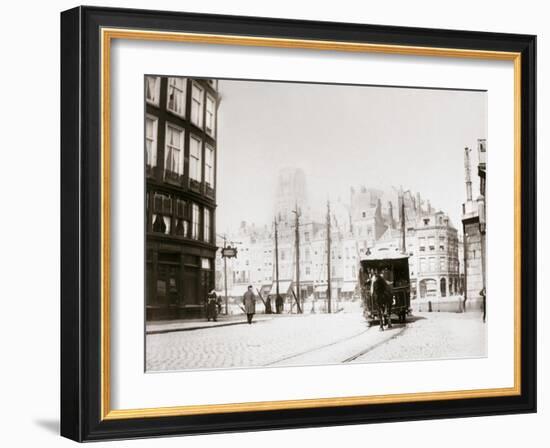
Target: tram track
x=347, y=359
x=320, y=347
x=374, y=346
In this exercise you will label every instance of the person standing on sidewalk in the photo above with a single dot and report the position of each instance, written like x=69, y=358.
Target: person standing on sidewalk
x=212, y=306
x=279, y=304
x=249, y=302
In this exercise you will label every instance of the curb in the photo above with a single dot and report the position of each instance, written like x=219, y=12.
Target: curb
x=201, y=327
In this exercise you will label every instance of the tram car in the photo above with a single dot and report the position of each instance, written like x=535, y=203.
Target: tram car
x=394, y=268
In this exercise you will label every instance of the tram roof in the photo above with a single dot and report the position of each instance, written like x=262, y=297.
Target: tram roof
x=382, y=255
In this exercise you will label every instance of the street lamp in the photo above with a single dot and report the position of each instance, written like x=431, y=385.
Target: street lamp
x=482, y=230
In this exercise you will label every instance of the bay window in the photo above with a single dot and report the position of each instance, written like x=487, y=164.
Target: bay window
x=209, y=166
x=195, y=158
x=173, y=150
x=195, y=221
x=207, y=228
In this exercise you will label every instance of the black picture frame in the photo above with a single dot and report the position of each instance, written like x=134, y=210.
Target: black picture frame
x=81, y=224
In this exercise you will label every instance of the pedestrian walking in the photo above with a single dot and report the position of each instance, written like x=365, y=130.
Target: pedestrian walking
x=249, y=302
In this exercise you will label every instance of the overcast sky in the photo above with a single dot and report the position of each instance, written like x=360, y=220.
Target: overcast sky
x=342, y=136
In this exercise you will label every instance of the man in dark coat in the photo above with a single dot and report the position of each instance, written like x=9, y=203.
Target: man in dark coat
x=279, y=303
x=249, y=302
x=212, y=306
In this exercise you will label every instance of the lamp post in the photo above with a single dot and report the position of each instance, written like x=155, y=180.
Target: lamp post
x=481, y=209
x=482, y=231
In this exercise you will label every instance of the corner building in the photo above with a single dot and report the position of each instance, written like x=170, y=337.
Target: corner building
x=180, y=209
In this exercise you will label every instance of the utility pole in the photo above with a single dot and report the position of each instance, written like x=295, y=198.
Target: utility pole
x=297, y=243
x=404, y=246
x=225, y=276
x=329, y=285
x=276, y=260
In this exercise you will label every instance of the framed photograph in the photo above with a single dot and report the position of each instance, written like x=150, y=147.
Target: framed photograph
x=273, y=223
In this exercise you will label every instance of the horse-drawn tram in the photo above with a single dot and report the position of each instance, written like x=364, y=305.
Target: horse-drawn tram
x=385, y=287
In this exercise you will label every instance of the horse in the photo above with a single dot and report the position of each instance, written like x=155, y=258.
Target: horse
x=383, y=301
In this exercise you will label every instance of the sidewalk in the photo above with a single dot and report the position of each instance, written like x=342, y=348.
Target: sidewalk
x=199, y=324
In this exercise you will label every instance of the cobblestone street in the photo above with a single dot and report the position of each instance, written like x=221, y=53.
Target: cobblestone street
x=284, y=340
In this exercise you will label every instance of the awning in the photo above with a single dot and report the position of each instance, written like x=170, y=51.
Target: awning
x=348, y=287
x=284, y=286
x=321, y=288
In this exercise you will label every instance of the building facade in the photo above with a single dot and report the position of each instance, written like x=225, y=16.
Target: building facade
x=432, y=244
x=474, y=228
x=357, y=227
x=181, y=154
x=436, y=266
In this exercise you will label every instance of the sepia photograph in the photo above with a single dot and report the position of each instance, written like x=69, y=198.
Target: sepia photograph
x=296, y=224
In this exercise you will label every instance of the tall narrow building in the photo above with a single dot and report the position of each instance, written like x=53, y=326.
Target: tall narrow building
x=474, y=247
x=180, y=209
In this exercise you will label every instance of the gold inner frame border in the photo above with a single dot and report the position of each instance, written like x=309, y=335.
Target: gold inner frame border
x=107, y=35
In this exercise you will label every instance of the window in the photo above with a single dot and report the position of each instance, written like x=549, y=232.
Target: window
x=442, y=243
x=151, y=140
x=152, y=89
x=175, y=98
x=197, y=104
x=162, y=211
x=207, y=226
x=195, y=222
x=422, y=244
x=431, y=242
x=209, y=166
x=195, y=150
x=210, y=114
x=432, y=264
x=173, y=157
x=308, y=270
x=442, y=264
x=182, y=223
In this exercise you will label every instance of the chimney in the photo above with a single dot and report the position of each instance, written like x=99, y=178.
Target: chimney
x=467, y=174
